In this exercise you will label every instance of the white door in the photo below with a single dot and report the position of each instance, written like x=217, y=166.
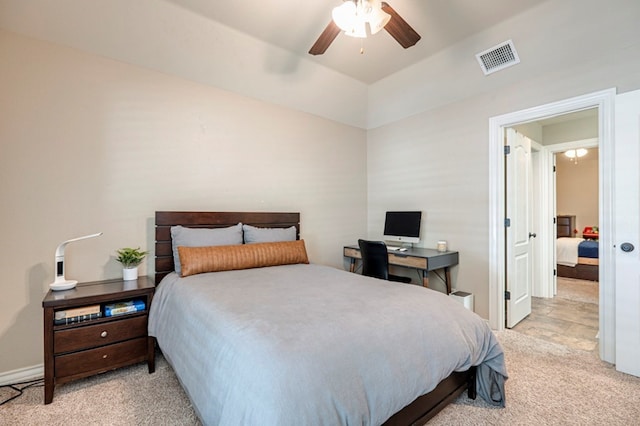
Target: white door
x=627, y=232
x=554, y=290
x=519, y=260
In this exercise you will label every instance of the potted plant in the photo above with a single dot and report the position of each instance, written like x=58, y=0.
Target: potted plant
x=130, y=259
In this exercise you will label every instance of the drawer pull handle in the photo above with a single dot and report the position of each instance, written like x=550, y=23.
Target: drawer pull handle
x=104, y=356
x=103, y=334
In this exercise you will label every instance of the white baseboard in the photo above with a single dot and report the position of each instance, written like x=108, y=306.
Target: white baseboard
x=22, y=375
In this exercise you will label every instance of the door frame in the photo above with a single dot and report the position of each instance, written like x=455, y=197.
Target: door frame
x=603, y=100
x=543, y=211
x=548, y=288
x=545, y=208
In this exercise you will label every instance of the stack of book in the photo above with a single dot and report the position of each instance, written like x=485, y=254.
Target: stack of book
x=120, y=308
x=74, y=315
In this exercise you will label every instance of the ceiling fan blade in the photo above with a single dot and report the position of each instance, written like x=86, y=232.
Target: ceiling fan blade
x=399, y=29
x=326, y=38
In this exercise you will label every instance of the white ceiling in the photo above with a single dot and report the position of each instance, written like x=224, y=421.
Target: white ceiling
x=295, y=26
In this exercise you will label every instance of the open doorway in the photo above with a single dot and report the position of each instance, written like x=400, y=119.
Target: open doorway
x=603, y=101
x=565, y=290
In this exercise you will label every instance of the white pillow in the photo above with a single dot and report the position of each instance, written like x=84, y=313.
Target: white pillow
x=254, y=234
x=202, y=237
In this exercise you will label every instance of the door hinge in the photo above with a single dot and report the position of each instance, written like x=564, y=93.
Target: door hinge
x=507, y=222
x=554, y=169
x=555, y=272
x=507, y=149
x=507, y=295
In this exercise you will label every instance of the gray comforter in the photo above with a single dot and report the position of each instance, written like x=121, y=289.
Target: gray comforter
x=312, y=345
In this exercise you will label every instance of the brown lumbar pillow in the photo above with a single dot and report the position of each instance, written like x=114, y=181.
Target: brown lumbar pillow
x=198, y=260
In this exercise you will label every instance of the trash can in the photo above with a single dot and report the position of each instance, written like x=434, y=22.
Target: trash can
x=463, y=297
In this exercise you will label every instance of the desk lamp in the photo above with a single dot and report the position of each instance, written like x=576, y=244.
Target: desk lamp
x=61, y=283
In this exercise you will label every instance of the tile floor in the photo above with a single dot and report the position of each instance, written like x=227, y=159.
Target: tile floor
x=564, y=320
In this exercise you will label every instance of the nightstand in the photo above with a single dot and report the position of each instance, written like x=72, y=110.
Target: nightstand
x=94, y=346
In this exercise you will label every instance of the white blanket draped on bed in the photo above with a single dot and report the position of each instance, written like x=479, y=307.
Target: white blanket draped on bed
x=567, y=251
x=311, y=345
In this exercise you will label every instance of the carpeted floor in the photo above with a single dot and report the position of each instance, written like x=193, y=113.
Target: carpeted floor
x=129, y=396
x=549, y=384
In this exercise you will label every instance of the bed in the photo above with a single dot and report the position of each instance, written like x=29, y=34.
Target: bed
x=576, y=257
x=298, y=343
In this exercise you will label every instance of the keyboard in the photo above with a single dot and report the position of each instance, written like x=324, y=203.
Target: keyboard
x=390, y=248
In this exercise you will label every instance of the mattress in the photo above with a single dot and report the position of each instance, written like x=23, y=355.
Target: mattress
x=567, y=251
x=310, y=344
x=588, y=248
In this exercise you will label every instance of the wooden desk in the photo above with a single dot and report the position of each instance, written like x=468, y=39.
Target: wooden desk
x=422, y=259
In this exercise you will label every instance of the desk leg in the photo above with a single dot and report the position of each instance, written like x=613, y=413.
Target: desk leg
x=447, y=279
x=352, y=265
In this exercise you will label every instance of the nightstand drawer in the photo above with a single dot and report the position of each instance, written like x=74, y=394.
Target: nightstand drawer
x=101, y=359
x=102, y=334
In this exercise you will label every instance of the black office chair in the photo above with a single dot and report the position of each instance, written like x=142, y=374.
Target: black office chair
x=375, y=261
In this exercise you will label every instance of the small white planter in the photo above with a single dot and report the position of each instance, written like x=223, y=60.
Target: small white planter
x=129, y=274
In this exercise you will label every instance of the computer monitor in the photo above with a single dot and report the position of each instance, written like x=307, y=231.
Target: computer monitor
x=403, y=227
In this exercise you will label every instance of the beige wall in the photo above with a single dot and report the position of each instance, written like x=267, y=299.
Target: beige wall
x=576, y=183
x=570, y=131
x=90, y=144
x=167, y=37
x=437, y=161
x=577, y=189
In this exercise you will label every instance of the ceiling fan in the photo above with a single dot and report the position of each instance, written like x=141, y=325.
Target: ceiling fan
x=352, y=17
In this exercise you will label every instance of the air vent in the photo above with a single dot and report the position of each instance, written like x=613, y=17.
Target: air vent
x=498, y=57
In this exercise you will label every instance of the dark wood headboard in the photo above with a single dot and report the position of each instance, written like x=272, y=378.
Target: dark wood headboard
x=165, y=220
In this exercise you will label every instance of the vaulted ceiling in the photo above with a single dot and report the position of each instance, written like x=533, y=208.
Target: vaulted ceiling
x=259, y=48
x=295, y=26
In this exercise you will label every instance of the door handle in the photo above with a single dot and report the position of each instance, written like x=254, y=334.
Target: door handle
x=626, y=247
x=532, y=234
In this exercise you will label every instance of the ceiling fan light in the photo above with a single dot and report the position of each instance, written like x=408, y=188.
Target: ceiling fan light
x=378, y=18
x=357, y=30
x=573, y=153
x=345, y=15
